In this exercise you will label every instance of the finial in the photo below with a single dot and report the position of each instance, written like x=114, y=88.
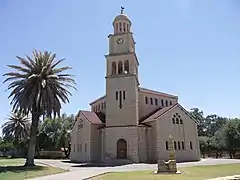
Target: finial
x=122, y=8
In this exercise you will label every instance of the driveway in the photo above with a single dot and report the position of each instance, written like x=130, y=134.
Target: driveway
x=80, y=171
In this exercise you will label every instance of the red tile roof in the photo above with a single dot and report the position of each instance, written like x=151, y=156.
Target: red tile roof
x=91, y=117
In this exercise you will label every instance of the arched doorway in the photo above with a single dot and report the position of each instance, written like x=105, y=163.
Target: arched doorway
x=121, y=149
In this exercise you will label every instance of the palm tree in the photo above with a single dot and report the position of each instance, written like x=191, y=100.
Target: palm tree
x=16, y=126
x=39, y=87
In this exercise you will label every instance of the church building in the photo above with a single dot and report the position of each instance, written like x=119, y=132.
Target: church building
x=131, y=123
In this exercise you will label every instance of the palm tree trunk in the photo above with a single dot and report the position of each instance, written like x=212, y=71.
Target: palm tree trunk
x=32, y=140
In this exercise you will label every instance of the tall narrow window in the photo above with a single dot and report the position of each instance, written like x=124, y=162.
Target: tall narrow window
x=114, y=68
x=183, y=147
x=116, y=95
x=120, y=99
x=179, y=145
x=166, y=103
x=173, y=120
x=177, y=121
x=181, y=122
x=166, y=144
x=120, y=67
x=102, y=105
x=151, y=101
x=146, y=100
x=191, y=147
x=127, y=27
x=156, y=101
x=126, y=66
x=124, y=27
x=175, y=145
x=98, y=107
x=170, y=102
x=116, y=27
x=120, y=28
x=162, y=103
x=124, y=95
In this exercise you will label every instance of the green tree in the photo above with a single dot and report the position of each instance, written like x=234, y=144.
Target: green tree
x=64, y=140
x=38, y=87
x=198, y=115
x=214, y=123
x=49, y=132
x=204, y=145
x=55, y=134
x=232, y=136
x=218, y=142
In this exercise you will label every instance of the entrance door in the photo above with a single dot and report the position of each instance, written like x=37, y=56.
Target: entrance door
x=121, y=149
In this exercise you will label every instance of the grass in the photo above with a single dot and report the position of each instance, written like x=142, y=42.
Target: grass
x=188, y=173
x=12, y=169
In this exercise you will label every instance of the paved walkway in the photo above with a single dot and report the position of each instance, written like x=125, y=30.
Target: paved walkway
x=78, y=171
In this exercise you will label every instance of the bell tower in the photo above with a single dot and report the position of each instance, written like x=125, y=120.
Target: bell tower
x=122, y=75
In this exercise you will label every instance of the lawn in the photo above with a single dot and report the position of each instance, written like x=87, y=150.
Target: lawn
x=188, y=173
x=12, y=169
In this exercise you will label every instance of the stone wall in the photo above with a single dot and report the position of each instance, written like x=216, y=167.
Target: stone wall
x=130, y=134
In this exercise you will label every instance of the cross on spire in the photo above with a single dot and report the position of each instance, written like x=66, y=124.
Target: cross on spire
x=122, y=8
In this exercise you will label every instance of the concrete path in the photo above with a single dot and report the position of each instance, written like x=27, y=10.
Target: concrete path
x=78, y=171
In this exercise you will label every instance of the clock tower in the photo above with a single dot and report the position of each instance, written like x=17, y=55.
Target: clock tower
x=122, y=76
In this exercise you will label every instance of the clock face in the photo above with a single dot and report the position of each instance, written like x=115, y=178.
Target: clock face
x=120, y=40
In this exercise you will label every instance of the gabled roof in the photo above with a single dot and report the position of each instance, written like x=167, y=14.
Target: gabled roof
x=163, y=111
x=91, y=117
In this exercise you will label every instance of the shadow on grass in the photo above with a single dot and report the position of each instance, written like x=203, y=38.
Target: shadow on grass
x=19, y=169
x=79, y=164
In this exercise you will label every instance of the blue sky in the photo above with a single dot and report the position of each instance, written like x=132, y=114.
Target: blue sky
x=190, y=48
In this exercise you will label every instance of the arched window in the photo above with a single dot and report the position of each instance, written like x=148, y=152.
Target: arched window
x=120, y=24
x=173, y=120
x=177, y=121
x=124, y=27
x=179, y=145
x=183, y=147
x=162, y=103
x=170, y=102
x=181, y=122
x=127, y=27
x=191, y=147
x=166, y=144
x=126, y=66
x=114, y=68
x=156, y=101
x=146, y=100
x=151, y=101
x=120, y=67
x=175, y=145
x=166, y=103
x=117, y=27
